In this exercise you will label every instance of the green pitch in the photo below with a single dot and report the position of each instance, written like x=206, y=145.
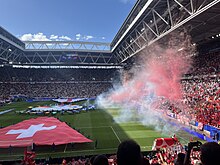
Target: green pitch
x=97, y=125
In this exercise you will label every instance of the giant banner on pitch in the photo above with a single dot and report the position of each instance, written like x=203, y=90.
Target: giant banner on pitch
x=40, y=131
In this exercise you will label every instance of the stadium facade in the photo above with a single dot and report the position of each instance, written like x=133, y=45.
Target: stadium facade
x=148, y=22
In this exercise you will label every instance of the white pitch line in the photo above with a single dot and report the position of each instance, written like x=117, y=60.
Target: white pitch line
x=115, y=134
x=65, y=148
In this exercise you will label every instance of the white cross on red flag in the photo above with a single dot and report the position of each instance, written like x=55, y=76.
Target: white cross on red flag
x=40, y=131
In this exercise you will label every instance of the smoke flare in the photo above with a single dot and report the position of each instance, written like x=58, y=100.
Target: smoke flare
x=154, y=87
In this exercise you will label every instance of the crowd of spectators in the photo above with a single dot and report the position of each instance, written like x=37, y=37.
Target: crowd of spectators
x=206, y=64
x=32, y=82
x=55, y=75
x=201, y=89
x=129, y=153
x=203, y=98
x=55, y=90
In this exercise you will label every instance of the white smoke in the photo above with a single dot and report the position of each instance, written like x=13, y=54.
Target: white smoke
x=147, y=95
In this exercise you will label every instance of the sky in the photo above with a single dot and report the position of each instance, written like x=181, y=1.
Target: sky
x=77, y=20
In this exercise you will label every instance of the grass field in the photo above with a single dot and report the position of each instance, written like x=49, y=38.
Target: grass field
x=97, y=125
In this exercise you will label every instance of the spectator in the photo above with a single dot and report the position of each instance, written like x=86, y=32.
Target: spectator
x=129, y=153
x=100, y=160
x=91, y=160
x=180, y=159
x=210, y=153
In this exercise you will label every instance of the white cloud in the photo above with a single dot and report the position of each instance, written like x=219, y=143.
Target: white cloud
x=64, y=38
x=41, y=37
x=88, y=37
x=53, y=37
x=78, y=36
x=26, y=37
x=34, y=37
x=83, y=37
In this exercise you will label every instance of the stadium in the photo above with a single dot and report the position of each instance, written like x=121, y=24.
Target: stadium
x=157, y=83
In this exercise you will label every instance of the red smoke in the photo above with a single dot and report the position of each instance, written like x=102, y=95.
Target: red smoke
x=166, y=71
x=160, y=73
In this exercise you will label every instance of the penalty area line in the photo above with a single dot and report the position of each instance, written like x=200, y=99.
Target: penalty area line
x=115, y=134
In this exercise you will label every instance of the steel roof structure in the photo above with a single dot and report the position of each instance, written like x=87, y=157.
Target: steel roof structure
x=157, y=18
x=148, y=22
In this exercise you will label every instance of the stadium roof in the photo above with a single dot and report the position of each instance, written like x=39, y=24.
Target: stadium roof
x=148, y=21
x=158, y=18
x=206, y=25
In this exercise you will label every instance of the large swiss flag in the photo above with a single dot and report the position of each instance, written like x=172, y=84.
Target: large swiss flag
x=41, y=131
